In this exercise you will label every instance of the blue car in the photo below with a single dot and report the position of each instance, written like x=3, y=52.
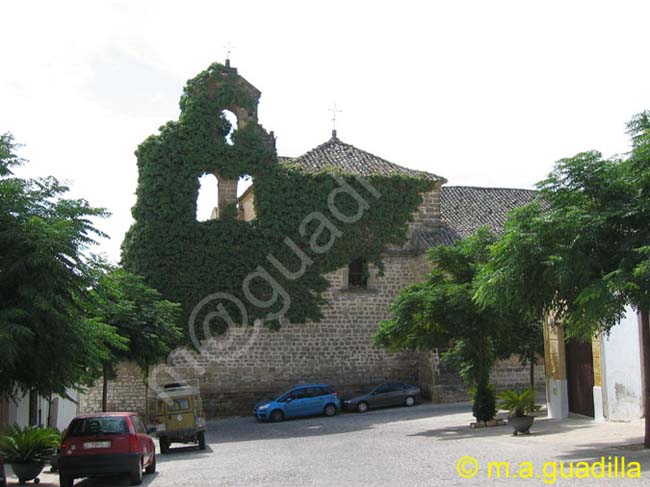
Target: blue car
x=302, y=400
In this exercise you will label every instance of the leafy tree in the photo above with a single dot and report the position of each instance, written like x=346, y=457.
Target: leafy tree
x=140, y=316
x=583, y=255
x=441, y=312
x=46, y=342
x=526, y=341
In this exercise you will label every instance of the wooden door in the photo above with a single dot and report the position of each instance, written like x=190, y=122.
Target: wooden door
x=580, y=377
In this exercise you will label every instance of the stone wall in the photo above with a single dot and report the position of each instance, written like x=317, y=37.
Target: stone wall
x=428, y=213
x=244, y=365
x=239, y=368
x=233, y=389
x=447, y=386
x=510, y=374
x=126, y=393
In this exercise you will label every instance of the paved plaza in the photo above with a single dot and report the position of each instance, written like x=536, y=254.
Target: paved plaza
x=417, y=446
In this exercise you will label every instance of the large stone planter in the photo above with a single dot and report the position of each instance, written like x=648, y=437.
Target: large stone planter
x=27, y=471
x=521, y=424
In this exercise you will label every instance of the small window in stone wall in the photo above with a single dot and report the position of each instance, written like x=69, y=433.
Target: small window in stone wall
x=358, y=274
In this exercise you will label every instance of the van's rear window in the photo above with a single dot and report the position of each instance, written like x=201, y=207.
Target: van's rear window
x=105, y=425
x=179, y=405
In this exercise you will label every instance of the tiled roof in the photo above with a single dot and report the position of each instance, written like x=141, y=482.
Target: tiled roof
x=424, y=238
x=350, y=160
x=464, y=209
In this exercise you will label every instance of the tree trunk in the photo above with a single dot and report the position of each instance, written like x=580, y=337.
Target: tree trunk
x=532, y=370
x=50, y=423
x=645, y=347
x=146, y=395
x=105, y=388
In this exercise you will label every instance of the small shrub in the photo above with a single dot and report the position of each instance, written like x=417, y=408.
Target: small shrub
x=484, y=406
x=29, y=444
x=518, y=403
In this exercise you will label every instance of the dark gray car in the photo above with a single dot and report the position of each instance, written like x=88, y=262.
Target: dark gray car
x=386, y=394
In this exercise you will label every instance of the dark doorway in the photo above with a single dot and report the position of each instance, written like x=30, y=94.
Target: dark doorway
x=580, y=377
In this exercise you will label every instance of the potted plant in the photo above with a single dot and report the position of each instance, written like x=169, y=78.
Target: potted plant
x=27, y=449
x=520, y=406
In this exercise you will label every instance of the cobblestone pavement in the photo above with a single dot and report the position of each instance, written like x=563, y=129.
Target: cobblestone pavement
x=417, y=446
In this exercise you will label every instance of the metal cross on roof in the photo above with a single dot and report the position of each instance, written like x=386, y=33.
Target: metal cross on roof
x=228, y=47
x=334, y=112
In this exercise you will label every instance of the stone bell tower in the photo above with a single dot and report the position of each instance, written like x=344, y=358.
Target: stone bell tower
x=227, y=190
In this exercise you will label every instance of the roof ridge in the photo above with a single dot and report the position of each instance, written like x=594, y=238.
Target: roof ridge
x=489, y=187
x=327, y=142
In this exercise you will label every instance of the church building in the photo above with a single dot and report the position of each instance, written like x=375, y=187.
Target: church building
x=245, y=365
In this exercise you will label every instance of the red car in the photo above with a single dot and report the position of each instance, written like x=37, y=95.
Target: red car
x=106, y=444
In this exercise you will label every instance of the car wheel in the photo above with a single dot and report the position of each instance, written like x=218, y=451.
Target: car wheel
x=277, y=415
x=164, y=445
x=409, y=401
x=136, y=475
x=330, y=410
x=66, y=481
x=201, y=438
x=362, y=407
x=152, y=466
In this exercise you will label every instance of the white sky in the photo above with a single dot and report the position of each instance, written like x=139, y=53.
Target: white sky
x=486, y=93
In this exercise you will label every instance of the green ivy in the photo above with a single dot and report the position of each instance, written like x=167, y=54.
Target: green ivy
x=188, y=260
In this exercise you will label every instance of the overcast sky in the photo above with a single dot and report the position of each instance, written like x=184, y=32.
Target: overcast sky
x=484, y=93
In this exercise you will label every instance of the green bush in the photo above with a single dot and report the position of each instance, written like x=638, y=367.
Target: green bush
x=29, y=444
x=484, y=406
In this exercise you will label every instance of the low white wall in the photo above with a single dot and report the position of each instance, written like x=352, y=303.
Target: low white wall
x=63, y=411
x=22, y=411
x=66, y=410
x=622, y=370
x=599, y=404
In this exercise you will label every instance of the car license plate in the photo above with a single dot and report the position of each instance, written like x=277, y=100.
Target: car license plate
x=97, y=444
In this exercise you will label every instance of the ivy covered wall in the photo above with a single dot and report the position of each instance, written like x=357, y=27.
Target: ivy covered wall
x=308, y=224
